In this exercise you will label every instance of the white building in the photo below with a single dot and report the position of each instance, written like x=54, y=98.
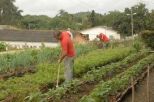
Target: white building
x=93, y=32
x=27, y=38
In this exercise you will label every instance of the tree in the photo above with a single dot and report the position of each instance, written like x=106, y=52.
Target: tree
x=141, y=20
x=150, y=21
x=92, y=18
x=64, y=20
x=9, y=13
x=36, y=22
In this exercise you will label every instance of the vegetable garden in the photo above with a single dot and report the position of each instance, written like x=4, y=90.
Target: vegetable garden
x=30, y=76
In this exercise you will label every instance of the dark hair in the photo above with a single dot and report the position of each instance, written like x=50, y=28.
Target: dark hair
x=57, y=34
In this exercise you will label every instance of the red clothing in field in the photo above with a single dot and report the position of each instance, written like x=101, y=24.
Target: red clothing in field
x=67, y=44
x=103, y=37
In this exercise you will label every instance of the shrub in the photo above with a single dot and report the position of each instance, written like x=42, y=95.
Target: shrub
x=2, y=46
x=148, y=38
x=137, y=44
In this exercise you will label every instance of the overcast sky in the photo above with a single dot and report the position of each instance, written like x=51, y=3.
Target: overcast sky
x=51, y=7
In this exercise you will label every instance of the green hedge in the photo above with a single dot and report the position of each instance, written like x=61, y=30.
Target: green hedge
x=148, y=38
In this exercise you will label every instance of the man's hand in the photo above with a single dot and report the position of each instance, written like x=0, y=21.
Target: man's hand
x=59, y=61
x=63, y=55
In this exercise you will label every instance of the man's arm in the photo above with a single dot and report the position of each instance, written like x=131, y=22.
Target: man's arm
x=64, y=50
x=62, y=56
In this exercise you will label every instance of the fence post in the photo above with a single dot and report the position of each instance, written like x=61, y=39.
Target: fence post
x=148, y=76
x=133, y=89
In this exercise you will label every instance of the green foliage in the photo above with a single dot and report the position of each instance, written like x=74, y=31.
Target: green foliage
x=65, y=20
x=15, y=61
x=120, y=82
x=92, y=18
x=150, y=21
x=22, y=60
x=3, y=63
x=98, y=58
x=137, y=44
x=36, y=22
x=141, y=22
x=148, y=38
x=2, y=47
x=9, y=13
x=48, y=55
x=112, y=69
x=28, y=58
x=92, y=76
x=83, y=49
x=46, y=74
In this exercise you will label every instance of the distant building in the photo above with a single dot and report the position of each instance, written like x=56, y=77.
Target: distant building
x=92, y=32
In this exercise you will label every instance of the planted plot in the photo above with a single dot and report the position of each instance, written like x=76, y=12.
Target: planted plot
x=73, y=91
x=112, y=87
x=22, y=87
x=99, y=58
x=19, y=63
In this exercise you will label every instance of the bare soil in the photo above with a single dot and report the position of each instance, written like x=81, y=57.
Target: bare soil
x=84, y=89
x=141, y=90
x=17, y=73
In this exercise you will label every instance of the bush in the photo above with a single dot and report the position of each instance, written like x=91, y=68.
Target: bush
x=148, y=38
x=2, y=46
x=137, y=44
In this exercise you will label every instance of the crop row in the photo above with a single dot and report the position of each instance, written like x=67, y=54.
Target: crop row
x=28, y=58
x=120, y=82
x=92, y=76
x=21, y=87
x=93, y=59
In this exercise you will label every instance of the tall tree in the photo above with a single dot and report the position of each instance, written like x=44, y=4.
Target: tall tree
x=92, y=18
x=9, y=13
x=150, y=21
x=140, y=20
x=36, y=22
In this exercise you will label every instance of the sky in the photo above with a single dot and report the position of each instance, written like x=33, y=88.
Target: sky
x=52, y=7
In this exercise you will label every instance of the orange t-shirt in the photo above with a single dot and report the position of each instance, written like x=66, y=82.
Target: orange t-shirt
x=103, y=37
x=67, y=44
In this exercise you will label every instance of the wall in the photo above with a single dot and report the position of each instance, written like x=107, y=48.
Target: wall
x=21, y=45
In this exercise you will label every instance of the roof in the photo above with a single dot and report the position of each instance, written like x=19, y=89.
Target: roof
x=27, y=35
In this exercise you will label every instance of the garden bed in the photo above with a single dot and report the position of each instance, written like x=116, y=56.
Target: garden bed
x=140, y=92
x=17, y=73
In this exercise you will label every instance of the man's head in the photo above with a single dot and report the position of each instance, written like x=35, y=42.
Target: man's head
x=97, y=36
x=57, y=35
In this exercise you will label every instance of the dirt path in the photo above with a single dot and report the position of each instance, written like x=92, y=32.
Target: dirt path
x=140, y=91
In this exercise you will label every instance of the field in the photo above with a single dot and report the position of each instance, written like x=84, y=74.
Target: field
x=101, y=75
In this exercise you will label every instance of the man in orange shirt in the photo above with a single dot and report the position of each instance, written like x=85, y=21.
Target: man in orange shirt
x=67, y=53
x=104, y=39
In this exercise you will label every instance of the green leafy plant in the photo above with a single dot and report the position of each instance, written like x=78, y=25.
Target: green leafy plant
x=148, y=38
x=2, y=46
x=119, y=82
